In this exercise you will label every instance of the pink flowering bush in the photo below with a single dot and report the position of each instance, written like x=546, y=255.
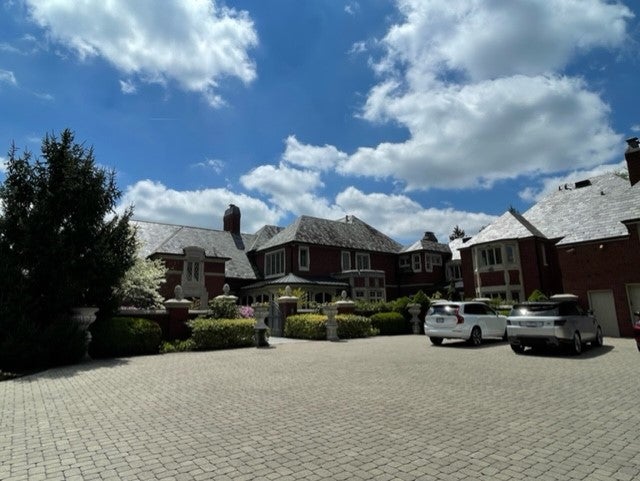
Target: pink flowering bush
x=246, y=312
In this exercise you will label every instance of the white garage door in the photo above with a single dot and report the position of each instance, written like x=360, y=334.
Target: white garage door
x=604, y=308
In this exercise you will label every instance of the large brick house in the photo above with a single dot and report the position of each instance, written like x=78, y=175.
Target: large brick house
x=322, y=257
x=582, y=238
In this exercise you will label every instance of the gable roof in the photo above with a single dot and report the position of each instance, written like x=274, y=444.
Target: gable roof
x=590, y=210
x=157, y=238
x=348, y=232
x=427, y=244
x=510, y=225
x=595, y=211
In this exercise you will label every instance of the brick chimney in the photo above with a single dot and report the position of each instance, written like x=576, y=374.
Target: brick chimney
x=231, y=220
x=632, y=156
x=430, y=236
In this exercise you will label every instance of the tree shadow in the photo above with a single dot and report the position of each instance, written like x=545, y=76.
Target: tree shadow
x=68, y=370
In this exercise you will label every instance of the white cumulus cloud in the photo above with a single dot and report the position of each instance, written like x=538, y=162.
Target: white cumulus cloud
x=8, y=77
x=403, y=219
x=481, y=89
x=310, y=156
x=192, y=42
x=202, y=208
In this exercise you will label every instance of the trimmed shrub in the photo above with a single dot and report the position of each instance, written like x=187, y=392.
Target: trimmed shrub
x=390, y=323
x=223, y=309
x=351, y=326
x=177, y=346
x=124, y=336
x=306, y=326
x=208, y=334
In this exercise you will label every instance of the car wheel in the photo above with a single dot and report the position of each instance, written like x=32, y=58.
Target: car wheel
x=517, y=348
x=599, y=340
x=504, y=336
x=436, y=341
x=576, y=344
x=476, y=336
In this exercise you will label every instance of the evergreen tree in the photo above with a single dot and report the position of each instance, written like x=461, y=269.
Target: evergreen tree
x=457, y=233
x=61, y=245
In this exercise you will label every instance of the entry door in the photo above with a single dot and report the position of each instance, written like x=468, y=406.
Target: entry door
x=604, y=308
x=633, y=293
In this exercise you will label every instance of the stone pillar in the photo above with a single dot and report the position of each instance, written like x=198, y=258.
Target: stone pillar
x=345, y=305
x=288, y=306
x=84, y=317
x=225, y=296
x=261, y=329
x=332, y=325
x=178, y=310
x=414, y=310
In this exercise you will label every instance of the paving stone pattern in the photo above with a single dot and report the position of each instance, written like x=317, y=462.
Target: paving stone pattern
x=387, y=408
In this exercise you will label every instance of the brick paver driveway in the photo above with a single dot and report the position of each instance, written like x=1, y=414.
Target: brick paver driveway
x=380, y=408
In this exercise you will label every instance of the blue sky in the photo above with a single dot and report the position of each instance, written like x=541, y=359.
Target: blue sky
x=411, y=115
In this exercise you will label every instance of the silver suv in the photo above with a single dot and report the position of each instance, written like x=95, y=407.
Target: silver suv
x=558, y=321
x=471, y=321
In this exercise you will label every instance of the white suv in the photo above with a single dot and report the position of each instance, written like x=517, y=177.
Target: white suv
x=471, y=321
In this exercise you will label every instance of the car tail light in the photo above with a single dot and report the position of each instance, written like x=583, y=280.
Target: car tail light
x=458, y=316
x=560, y=322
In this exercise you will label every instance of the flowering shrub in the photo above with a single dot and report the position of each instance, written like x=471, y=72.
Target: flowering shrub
x=246, y=312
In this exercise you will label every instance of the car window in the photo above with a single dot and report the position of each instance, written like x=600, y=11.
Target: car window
x=569, y=309
x=471, y=309
x=442, y=309
x=534, y=310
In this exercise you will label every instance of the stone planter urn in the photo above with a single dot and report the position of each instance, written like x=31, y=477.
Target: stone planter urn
x=260, y=312
x=332, y=325
x=84, y=317
x=414, y=310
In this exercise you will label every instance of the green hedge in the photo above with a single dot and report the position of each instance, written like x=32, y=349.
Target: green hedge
x=124, y=336
x=351, y=326
x=314, y=326
x=306, y=326
x=222, y=333
x=390, y=323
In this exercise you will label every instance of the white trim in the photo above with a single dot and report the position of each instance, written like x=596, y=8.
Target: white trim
x=416, y=266
x=300, y=266
x=276, y=272
x=363, y=255
x=342, y=263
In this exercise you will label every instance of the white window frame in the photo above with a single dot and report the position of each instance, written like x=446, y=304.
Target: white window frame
x=278, y=266
x=360, y=265
x=487, y=256
x=428, y=263
x=193, y=267
x=346, y=266
x=416, y=262
x=302, y=249
x=510, y=253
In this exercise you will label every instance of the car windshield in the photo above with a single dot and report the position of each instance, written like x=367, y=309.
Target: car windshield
x=534, y=310
x=442, y=310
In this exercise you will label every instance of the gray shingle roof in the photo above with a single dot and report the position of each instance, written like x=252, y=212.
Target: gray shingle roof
x=509, y=225
x=454, y=245
x=349, y=232
x=427, y=245
x=595, y=211
x=156, y=238
x=294, y=280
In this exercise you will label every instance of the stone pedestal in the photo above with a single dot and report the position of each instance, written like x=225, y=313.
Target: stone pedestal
x=178, y=310
x=84, y=317
x=332, y=325
x=288, y=306
x=414, y=310
x=261, y=329
x=345, y=305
